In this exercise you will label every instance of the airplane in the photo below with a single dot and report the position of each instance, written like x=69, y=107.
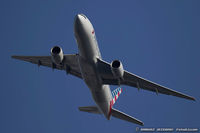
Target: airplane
x=97, y=73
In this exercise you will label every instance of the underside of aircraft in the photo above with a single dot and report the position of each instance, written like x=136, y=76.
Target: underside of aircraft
x=97, y=73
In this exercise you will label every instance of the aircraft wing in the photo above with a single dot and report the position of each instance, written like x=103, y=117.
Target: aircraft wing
x=70, y=63
x=135, y=81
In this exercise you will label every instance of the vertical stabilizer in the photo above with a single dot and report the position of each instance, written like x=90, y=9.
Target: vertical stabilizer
x=115, y=95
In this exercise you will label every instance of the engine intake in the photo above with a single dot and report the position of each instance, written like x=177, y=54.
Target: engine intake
x=117, y=69
x=57, y=54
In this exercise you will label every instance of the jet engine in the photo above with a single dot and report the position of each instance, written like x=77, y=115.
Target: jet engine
x=57, y=54
x=117, y=69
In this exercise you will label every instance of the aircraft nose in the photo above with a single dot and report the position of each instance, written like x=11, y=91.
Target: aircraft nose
x=77, y=19
x=78, y=23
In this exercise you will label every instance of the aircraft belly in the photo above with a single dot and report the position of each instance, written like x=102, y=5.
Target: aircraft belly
x=102, y=97
x=87, y=45
x=88, y=72
x=88, y=54
x=100, y=93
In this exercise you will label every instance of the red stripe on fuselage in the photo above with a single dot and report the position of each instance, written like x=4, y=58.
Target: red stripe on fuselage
x=110, y=109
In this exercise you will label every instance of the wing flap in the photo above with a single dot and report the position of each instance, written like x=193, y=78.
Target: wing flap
x=120, y=115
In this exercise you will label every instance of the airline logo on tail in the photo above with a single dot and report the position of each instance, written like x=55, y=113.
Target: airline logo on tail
x=115, y=95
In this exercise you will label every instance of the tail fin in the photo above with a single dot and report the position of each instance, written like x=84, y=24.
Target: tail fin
x=115, y=95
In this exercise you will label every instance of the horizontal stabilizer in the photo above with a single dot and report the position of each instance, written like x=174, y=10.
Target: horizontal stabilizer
x=120, y=115
x=90, y=109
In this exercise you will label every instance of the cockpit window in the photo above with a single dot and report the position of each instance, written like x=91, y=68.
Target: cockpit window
x=83, y=16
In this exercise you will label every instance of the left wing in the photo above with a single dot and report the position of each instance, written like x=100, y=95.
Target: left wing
x=135, y=81
x=70, y=63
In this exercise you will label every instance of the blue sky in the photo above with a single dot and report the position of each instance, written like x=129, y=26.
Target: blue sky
x=158, y=40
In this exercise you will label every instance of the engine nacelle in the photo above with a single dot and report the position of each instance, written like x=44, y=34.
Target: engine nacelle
x=57, y=54
x=117, y=69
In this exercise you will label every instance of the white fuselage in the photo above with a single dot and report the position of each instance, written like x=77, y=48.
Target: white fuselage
x=88, y=55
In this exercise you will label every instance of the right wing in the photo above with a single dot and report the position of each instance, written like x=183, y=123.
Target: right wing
x=133, y=80
x=70, y=63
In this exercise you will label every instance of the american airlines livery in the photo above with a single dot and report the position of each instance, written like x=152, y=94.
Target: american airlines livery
x=97, y=73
